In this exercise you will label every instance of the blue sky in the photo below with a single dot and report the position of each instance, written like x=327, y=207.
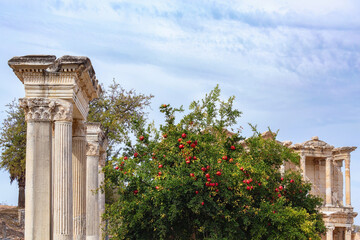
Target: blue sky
x=292, y=65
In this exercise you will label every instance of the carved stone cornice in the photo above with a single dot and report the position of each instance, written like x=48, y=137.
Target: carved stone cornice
x=71, y=78
x=38, y=109
x=63, y=110
x=48, y=65
x=313, y=144
x=343, y=150
x=92, y=149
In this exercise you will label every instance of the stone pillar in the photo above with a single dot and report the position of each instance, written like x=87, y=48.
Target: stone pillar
x=348, y=233
x=63, y=212
x=79, y=179
x=303, y=165
x=328, y=176
x=92, y=206
x=317, y=176
x=329, y=232
x=38, y=112
x=347, y=182
x=96, y=148
x=101, y=194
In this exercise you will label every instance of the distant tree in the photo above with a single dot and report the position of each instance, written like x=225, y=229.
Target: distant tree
x=116, y=109
x=193, y=179
x=13, y=147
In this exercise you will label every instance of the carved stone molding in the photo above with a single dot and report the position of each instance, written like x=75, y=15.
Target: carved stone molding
x=38, y=109
x=63, y=111
x=92, y=149
x=313, y=144
x=46, y=109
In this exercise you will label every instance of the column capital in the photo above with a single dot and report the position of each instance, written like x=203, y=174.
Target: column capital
x=330, y=227
x=92, y=149
x=46, y=109
x=329, y=158
x=63, y=111
x=37, y=109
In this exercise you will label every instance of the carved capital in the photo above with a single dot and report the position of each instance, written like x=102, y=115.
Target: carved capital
x=63, y=111
x=37, y=109
x=79, y=128
x=330, y=228
x=330, y=159
x=92, y=149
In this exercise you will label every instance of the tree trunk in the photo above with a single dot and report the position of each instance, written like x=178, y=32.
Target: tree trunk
x=21, y=199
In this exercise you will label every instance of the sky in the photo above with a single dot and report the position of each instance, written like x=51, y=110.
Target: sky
x=293, y=66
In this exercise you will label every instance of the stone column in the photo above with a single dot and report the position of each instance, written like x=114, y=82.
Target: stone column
x=92, y=206
x=79, y=179
x=303, y=165
x=38, y=112
x=347, y=182
x=329, y=232
x=317, y=176
x=63, y=212
x=328, y=176
x=348, y=233
x=101, y=194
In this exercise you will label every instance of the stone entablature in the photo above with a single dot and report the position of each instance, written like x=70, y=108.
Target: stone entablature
x=70, y=78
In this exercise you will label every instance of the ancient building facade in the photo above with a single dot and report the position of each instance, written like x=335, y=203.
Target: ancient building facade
x=328, y=169
x=64, y=153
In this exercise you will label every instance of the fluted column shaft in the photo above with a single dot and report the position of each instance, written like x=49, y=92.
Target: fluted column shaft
x=101, y=195
x=348, y=233
x=92, y=198
x=38, y=180
x=303, y=165
x=63, y=198
x=347, y=182
x=79, y=180
x=330, y=232
x=328, y=181
x=38, y=167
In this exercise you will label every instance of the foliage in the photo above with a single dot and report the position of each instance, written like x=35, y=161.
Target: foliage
x=165, y=192
x=13, y=142
x=116, y=109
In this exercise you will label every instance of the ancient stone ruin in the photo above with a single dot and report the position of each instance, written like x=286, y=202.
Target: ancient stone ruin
x=321, y=164
x=64, y=153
